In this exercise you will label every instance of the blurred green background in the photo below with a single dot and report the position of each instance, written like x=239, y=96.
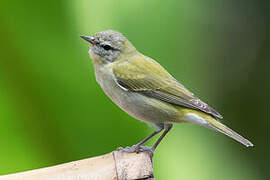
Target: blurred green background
x=52, y=111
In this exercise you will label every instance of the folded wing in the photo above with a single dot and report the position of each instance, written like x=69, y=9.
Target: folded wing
x=145, y=76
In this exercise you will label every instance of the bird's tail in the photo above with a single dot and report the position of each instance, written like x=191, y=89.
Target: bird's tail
x=218, y=126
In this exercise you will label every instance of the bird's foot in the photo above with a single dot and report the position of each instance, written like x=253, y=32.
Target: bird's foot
x=136, y=148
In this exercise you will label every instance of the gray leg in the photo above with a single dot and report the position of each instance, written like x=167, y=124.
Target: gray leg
x=157, y=130
x=168, y=128
x=138, y=147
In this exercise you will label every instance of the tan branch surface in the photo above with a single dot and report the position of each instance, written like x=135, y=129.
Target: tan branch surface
x=116, y=165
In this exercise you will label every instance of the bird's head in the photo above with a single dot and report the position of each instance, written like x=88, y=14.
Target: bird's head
x=108, y=46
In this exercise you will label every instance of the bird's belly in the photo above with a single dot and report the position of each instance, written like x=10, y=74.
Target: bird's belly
x=135, y=104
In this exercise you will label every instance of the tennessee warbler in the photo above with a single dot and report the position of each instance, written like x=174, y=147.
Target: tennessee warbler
x=145, y=90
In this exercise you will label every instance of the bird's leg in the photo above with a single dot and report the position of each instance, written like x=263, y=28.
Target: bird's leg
x=138, y=147
x=168, y=128
x=147, y=138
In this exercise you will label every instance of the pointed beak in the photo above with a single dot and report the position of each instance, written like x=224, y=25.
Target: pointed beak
x=88, y=39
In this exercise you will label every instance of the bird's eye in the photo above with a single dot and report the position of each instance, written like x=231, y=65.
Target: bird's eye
x=107, y=47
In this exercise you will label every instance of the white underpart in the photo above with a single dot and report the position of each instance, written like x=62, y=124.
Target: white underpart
x=195, y=119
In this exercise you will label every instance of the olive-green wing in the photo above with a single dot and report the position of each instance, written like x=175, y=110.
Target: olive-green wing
x=144, y=75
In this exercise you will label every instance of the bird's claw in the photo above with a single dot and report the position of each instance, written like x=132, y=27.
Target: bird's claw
x=135, y=148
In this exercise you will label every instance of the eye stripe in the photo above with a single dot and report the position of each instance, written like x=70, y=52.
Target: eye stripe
x=107, y=47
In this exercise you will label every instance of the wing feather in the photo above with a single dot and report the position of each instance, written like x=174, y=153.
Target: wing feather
x=145, y=76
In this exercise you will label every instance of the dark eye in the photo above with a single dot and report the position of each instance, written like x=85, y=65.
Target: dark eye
x=107, y=47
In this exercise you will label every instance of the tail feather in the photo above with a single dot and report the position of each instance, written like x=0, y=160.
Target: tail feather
x=218, y=126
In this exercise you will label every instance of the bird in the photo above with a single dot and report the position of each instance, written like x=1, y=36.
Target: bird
x=145, y=90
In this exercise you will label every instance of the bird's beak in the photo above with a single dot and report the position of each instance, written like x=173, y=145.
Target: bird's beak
x=89, y=39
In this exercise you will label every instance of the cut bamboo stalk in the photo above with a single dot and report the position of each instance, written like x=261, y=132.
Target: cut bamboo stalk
x=116, y=165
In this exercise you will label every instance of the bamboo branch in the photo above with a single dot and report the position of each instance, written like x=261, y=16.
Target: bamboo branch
x=116, y=165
